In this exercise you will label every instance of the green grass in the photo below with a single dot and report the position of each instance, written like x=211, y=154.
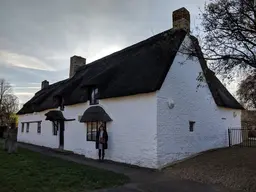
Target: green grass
x=28, y=171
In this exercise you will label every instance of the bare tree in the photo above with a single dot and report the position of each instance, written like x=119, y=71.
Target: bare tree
x=229, y=39
x=247, y=92
x=8, y=103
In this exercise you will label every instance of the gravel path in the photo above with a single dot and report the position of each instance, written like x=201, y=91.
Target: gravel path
x=234, y=168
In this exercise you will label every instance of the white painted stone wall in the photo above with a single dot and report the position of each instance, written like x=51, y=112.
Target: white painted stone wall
x=132, y=133
x=175, y=141
x=46, y=138
x=232, y=119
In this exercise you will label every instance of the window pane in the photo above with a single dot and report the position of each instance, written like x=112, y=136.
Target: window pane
x=94, y=135
x=27, y=130
x=22, y=127
x=191, y=126
x=39, y=127
x=89, y=124
x=93, y=96
x=94, y=126
x=55, y=127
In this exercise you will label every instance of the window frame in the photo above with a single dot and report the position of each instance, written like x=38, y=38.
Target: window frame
x=90, y=133
x=61, y=103
x=27, y=127
x=22, y=127
x=55, y=128
x=93, y=93
x=39, y=126
x=191, y=126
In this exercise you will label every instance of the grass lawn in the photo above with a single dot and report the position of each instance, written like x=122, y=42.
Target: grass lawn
x=28, y=171
x=234, y=168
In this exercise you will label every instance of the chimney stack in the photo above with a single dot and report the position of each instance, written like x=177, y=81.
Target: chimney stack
x=181, y=19
x=75, y=63
x=44, y=84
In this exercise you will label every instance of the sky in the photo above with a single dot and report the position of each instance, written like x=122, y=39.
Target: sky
x=37, y=38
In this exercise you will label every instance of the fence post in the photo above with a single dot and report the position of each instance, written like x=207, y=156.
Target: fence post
x=229, y=137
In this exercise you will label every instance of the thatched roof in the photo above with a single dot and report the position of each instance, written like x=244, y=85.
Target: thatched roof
x=56, y=115
x=95, y=113
x=221, y=95
x=140, y=68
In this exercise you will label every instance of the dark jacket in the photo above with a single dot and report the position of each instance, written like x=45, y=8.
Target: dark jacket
x=105, y=136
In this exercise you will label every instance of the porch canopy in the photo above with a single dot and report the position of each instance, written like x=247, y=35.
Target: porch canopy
x=55, y=115
x=95, y=113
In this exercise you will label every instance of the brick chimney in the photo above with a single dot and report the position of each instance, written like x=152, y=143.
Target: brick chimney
x=44, y=84
x=181, y=19
x=75, y=63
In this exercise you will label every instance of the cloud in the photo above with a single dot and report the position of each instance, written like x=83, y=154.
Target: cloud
x=35, y=46
x=27, y=87
x=34, y=83
x=104, y=52
x=23, y=61
x=57, y=57
x=24, y=93
x=24, y=96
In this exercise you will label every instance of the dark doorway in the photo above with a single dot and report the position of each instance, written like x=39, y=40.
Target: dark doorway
x=62, y=134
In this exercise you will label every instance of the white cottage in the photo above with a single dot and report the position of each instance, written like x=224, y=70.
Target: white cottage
x=146, y=95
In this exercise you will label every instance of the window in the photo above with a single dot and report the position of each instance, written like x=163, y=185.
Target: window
x=27, y=128
x=191, y=126
x=62, y=107
x=28, y=124
x=55, y=127
x=92, y=128
x=59, y=101
x=39, y=127
x=93, y=96
x=22, y=127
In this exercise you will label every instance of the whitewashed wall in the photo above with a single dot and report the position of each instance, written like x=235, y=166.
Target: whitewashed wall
x=46, y=138
x=132, y=133
x=232, y=119
x=175, y=141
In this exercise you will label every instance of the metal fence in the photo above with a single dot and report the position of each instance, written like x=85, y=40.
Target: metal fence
x=242, y=137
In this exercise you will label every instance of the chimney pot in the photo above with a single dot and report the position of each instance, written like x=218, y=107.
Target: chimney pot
x=44, y=84
x=181, y=19
x=75, y=63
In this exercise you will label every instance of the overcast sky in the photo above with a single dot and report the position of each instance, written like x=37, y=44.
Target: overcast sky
x=37, y=37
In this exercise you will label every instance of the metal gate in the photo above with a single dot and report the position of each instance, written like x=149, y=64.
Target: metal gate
x=242, y=137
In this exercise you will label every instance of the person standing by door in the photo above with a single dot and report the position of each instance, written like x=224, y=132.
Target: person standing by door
x=102, y=141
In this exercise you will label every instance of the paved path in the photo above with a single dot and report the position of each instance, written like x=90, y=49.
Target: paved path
x=142, y=180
